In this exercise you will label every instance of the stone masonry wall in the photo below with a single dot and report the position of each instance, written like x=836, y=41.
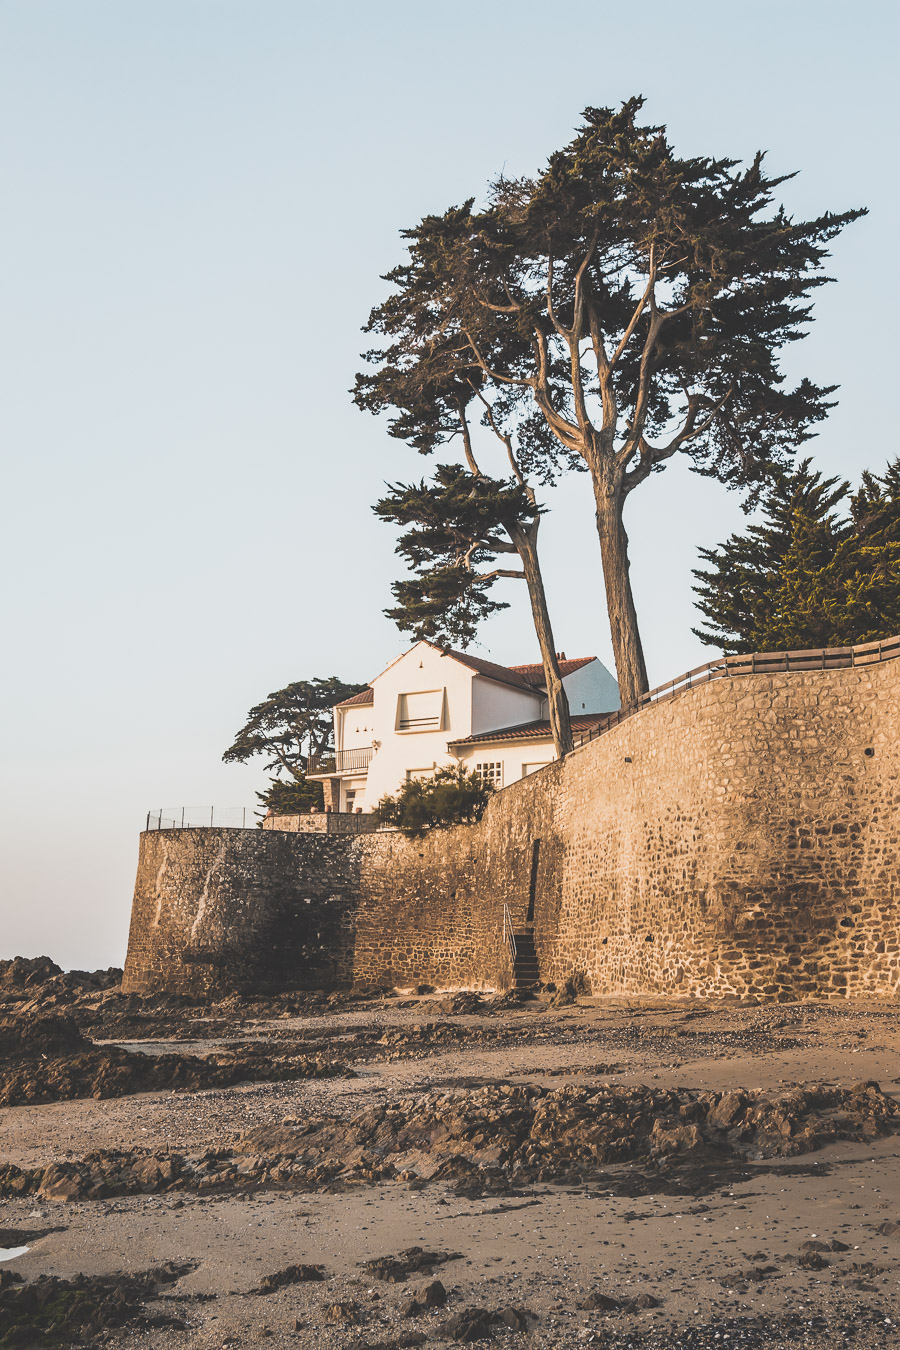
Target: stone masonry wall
x=740, y=838
x=323, y=822
x=222, y=910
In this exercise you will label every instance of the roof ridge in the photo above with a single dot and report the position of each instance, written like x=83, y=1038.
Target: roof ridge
x=563, y=661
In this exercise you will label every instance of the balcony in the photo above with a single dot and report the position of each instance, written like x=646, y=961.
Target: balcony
x=341, y=763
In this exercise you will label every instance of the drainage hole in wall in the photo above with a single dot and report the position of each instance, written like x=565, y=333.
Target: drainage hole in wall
x=846, y=923
x=869, y=750
x=649, y=937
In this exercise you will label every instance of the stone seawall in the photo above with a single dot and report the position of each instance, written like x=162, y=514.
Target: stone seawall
x=222, y=910
x=740, y=838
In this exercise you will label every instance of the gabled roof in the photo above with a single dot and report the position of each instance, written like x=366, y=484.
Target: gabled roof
x=534, y=674
x=356, y=700
x=491, y=671
x=530, y=731
x=528, y=677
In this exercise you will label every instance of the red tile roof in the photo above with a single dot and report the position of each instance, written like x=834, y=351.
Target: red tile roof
x=528, y=677
x=364, y=696
x=530, y=731
x=490, y=669
x=534, y=674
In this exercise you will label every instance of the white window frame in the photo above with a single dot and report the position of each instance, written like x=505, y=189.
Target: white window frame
x=490, y=771
x=412, y=725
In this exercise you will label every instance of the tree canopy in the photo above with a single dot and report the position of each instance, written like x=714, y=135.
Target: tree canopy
x=456, y=525
x=290, y=797
x=822, y=569
x=291, y=726
x=624, y=305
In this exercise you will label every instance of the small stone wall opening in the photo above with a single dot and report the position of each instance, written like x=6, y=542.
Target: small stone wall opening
x=532, y=884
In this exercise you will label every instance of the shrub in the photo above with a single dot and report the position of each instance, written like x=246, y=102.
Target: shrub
x=452, y=797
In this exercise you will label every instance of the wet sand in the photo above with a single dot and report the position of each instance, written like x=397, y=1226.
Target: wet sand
x=721, y=1264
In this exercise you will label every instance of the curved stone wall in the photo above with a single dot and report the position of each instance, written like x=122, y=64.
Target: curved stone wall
x=741, y=838
x=220, y=910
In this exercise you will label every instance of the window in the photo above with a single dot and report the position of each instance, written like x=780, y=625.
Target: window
x=420, y=712
x=533, y=768
x=491, y=771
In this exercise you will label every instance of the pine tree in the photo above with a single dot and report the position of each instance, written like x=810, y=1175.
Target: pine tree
x=821, y=570
x=623, y=306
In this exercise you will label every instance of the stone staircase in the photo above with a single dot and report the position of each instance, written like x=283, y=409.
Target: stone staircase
x=525, y=966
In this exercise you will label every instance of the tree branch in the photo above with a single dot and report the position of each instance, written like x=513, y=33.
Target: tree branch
x=494, y=374
x=501, y=572
x=467, y=439
x=635, y=318
x=654, y=454
x=569, y=435
x=507, y=441
x=560, y=328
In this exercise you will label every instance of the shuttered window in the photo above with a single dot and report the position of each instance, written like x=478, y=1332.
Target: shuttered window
x=421, y=712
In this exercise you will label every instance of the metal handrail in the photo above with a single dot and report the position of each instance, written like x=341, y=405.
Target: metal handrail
x=509, y=936
x=201, y=817
x=753, y=663
x=343, y=761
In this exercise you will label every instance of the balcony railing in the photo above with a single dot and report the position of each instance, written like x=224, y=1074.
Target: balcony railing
x=345, y=761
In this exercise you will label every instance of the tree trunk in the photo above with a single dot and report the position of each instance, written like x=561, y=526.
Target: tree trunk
x=626, y=639
x=525, y=539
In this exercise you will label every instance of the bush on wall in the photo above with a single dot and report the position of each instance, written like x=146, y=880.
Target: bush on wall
x=452, y=797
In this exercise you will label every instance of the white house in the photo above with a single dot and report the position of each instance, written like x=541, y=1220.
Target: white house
x=433, y=707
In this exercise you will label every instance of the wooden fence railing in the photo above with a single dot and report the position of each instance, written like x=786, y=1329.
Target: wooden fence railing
x=755, y=663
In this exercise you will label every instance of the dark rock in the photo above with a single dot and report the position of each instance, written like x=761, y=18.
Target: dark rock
x=348, y=1313
x=473, y=1324
x=514, y=1318
x=405, y=1341
x=597, y=1301
x=476, y=1324
x=395, y=1269
x=290, y=1275
x=642, y=1301
x=47, y=1058
x=50, y=1311
x=433, y=1295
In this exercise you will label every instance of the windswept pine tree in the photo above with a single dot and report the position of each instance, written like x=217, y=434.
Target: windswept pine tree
x=822, y=569
x=291, y=727
x=457, y=526
x=623, y=306
x=463, y=518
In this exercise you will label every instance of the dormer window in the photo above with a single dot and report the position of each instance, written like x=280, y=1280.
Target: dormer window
x=421, y=711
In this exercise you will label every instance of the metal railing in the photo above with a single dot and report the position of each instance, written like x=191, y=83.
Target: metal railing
x=344, y=761
x=509, y=936
x=754, y=663
x=202, y=817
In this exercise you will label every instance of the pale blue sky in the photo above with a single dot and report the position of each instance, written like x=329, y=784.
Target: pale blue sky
x=198, y=201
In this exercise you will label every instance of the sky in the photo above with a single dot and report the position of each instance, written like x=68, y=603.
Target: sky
x=199, y=200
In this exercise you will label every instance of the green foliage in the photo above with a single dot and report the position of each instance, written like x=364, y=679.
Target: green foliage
x=292, y=725
x=821, y=570
x=477, y=313
x=452, y=797
x=455, y=525
x=294, y=797
x=623, y=305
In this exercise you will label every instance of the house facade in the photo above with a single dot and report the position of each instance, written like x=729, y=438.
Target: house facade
x=433, y=708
